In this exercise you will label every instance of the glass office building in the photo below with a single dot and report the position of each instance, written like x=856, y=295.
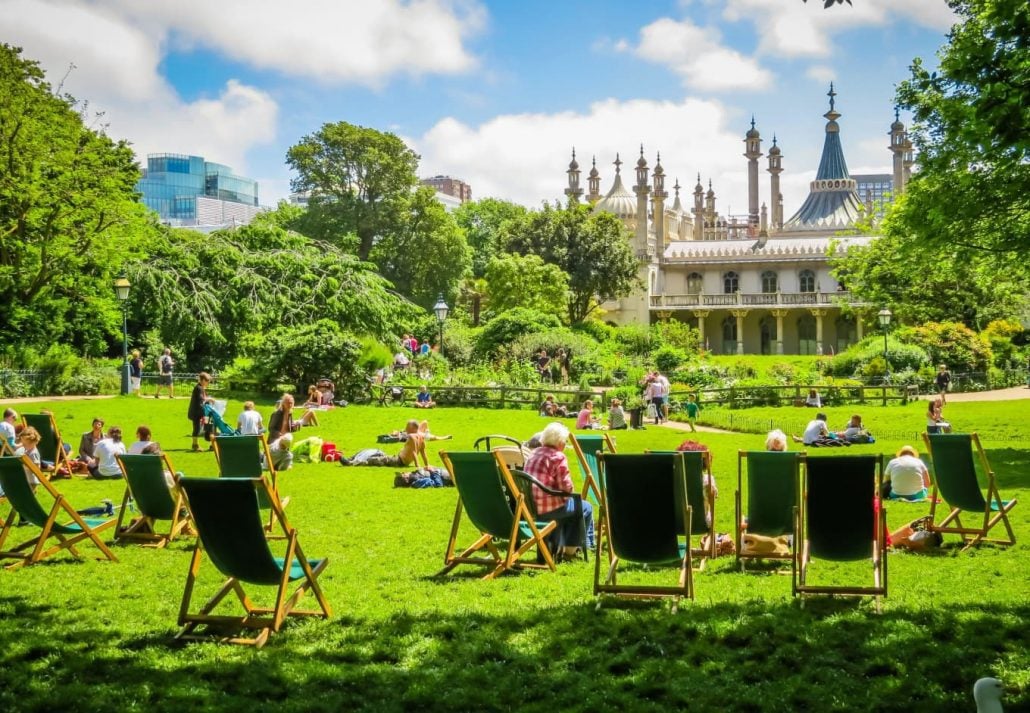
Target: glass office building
x=187, y=190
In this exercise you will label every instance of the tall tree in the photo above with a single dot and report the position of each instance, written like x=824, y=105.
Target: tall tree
x=357, y=179
x=68, y=215
x=482, y=221
x=526, y=281
x=592, y=248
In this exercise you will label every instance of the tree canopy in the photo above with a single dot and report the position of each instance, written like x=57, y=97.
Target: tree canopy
x=482, y=221
x=526, y=281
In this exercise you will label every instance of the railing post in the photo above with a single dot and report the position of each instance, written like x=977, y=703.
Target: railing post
x=502, y=397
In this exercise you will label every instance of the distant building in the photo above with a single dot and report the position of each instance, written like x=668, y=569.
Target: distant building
x=875, y=190
x=187, y=191
x=450, y=187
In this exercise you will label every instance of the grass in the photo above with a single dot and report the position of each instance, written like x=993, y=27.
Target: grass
x=90, y=635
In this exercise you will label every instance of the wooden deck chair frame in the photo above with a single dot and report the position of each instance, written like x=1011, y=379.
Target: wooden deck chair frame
x=590, y=473
x=521, y=531
x=256, y=471
x=992, y=509
x=143, y=528
x=847, y=491
x=5, y=448
x=695, y=468
x=780, y=478
x=51, y=445
x=640, y=484
x=511, y=449
x=263, y=620
x=25, y=502
x=525, y=482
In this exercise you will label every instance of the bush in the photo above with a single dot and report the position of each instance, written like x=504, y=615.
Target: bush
x=635, y=339
x=678, y=334
x=500, y=333
x=302, y=354
x=951, y=343
x=855, y=360
x=1000, y=334
x=668, y=357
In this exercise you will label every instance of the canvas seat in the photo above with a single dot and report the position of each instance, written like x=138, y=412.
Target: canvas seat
x=231, y=532
x=955, y=482
x=147, y=487
x=497, y=508
x=249, y=457
x=511, y=449
x=587, y=446
x=702, y=519
x=24, y=502
x=51, y=445
x=643, y=508
x=772, y=482
x=839, y=518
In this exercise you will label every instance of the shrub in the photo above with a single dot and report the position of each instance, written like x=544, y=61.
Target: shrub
x=783, y=372
x=668, y=357
x=635, y=339
x=855, y=360
x=501, y=332
x=950, y=343
x=1000, y=334
x=596, y=330
x=678, y=334
x=300, y=355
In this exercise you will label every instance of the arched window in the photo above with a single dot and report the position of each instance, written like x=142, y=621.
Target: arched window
x=769, y=282
x=767, y=335
x=806, y=335
x=694, y=283
x=806, y=281
x=847, y=333
x=730, y=283
x=729, y=335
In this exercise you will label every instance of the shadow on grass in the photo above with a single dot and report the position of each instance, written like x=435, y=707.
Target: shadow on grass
x=1011, y=468
x=831, y=655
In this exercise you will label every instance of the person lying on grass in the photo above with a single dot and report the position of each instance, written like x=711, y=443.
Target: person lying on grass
x=423, y=429
x=413, y=449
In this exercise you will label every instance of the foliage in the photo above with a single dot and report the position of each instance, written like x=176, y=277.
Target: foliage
x=667, y=358
x=678, y=334
x=596, y=329
x=426, y=255
x=500, y=333
x=68, y=215
x=482, y=221
x=358, y=180
x=856, y=358
x=302, y=354
x=374, y=355
x=950, y=343
x=582, y=350
x=592, y=248
x=635, y=339
x=526, y=281
x=1000, y=335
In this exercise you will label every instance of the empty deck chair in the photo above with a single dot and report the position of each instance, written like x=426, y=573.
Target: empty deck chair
x=146, y=484
x=772, y=482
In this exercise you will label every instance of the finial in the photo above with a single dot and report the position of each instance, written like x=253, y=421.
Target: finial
x=831, y=94
x=709, y=184
x=774, y=139
x=641, y=150
x=676, y=187
x=617, y=162
x=573, y=153
x=752, y=121
x=659, y=158
x=897, y=115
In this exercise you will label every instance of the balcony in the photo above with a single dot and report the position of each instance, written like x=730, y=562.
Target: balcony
x=769, y=300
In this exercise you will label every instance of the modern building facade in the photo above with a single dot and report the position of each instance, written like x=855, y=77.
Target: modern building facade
x=750, y=284
x=450, y=187
x=189, y=191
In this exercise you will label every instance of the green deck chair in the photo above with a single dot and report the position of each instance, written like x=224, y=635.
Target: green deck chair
x=23, y=501
x=147, y=486
x=955, y=481
x=836, y=519
x=525, y=483
x=587, y=446
x=51, y=445
x=231, y=533
x=245, y=457
x=642, y=511
x=772, y=483
x=694, y=470
x=498, y=510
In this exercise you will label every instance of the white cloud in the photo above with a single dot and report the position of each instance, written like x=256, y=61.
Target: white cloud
x=523, y=157
x=821, y=73
x=695, y=53
x=807, y=29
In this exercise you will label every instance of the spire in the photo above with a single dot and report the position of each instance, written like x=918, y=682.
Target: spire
x=594, y=182
x=617, y=163
x=832, y=164
x=573, y=191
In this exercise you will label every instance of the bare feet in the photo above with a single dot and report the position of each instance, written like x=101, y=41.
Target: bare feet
x=796, y=439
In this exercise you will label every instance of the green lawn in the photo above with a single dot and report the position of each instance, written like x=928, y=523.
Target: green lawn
x=98, y=635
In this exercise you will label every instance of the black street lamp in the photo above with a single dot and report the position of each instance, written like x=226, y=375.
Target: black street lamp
x=121, y=290
x=884, y=317
x=441, y=309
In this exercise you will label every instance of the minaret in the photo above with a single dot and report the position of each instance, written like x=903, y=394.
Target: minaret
x=677, y=209
x=594, y=183
x=775, y=169
x=900, y=146
x=658, y=196
x=699, y=210
x=642, y=189
x=710, y=215
x=753, y=143
x=573, y=191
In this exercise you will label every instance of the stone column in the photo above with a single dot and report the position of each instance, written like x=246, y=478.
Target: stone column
x=701, y=314
x=779, y=314
x=739, y=314
x=819, y=314
x=858, y=326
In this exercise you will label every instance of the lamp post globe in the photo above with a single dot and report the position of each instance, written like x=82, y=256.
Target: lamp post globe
x=440, y=309
x=122, y=287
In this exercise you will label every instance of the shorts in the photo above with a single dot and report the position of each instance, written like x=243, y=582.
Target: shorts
x=164, y=380
x=134, y=382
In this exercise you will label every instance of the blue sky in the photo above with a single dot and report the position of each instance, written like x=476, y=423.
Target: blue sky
x=496, y=93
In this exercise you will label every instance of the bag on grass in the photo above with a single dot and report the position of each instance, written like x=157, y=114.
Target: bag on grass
x=758, y=545
x=307, y=450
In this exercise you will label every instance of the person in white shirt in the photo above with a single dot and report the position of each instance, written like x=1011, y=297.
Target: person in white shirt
x=7, y=431
x=908, y=477
x=145, y=439
x=105, y=452
x=817, y=434
x=249, y=423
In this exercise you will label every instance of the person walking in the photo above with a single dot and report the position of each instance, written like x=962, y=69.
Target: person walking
x=943, y=383
x=165, y=365
x=196, y=410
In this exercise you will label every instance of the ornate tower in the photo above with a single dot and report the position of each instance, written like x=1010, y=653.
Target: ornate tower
x=901, y=147
x=573, y=191
x=753, y=144
x=699, y=210
x=594, y=183
x=658, y=196
x=642, y=189
x=775, y=199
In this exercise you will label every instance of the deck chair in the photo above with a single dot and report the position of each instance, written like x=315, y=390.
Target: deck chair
x=51, y=446
x=229, y=524
x=498, y=510
x=146, y=484
x=24, y=502
x=587, y=446
x=246, y=457
x=642, y=511
x=511, y=449
x=694, y=471
x=525, y=482
x=772, y=482
x=955, y=482
x=838, y=517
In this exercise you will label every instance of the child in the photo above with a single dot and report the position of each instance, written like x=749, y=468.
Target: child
x=616, y=416
x=249, y=422
x=424, y=398
x=29, y=440
x=586, y=417
x=693, y=409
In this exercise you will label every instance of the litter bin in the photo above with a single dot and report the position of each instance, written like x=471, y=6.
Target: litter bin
x=636, y=418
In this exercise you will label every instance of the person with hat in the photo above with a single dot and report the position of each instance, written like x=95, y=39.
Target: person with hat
x=907, y=476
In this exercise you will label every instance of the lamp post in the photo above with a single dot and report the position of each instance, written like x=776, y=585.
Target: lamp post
x=441, y=309
x=121, y=290
x=884, y=317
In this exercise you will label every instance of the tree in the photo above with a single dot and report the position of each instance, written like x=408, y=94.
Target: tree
x=68, y=215
x=526, y=281
x=592, y=248
x=482, y=221
x=426, y=254
x=357, y=179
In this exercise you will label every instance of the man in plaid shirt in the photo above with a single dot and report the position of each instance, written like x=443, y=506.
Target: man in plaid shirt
x=549, y=465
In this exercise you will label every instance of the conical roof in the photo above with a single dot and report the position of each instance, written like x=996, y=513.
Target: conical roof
x=618, y=201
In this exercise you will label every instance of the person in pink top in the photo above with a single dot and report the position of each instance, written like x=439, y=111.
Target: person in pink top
x=586, y=419
x=549, y=465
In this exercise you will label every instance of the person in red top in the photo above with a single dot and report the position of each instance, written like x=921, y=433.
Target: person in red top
x=549, y=465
